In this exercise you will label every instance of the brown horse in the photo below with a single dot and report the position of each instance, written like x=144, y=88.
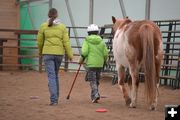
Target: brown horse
x=138, y=44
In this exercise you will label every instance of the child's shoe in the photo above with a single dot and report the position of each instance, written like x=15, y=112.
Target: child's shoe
x=95, y=100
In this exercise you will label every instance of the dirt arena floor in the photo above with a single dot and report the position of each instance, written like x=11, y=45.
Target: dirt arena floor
x=25, y=96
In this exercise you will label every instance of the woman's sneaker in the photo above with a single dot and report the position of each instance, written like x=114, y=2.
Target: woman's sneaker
x=53, y=104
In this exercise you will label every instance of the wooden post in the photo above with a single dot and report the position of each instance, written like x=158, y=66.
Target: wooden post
x=40, y=62
x=1, y=52
x=66, y=63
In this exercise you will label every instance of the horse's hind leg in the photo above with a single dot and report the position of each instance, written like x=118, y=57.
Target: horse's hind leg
x=135, y=83
x=158, y=68
x=121, y=79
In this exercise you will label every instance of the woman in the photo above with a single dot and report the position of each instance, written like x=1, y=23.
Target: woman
x=53, y=41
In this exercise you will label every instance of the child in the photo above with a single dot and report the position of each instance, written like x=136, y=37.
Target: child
x=95, y=53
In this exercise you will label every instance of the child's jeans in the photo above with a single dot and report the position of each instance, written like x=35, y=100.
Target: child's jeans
x=93, y=76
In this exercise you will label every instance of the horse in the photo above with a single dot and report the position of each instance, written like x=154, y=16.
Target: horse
x=138, y=44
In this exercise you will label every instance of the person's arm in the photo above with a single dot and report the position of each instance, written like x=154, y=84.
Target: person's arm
x=40, y=39
x=67, y=44
x=84, y=49
x=105, y=53
x=84, y=52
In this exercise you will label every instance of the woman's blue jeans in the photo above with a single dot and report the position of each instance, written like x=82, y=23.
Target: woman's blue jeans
x=52, y=64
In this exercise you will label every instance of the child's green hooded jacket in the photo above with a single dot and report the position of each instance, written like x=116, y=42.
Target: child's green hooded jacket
x=94, y=51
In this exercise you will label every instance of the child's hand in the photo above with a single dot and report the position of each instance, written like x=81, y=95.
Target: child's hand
x=81, y=60
x=70, y=59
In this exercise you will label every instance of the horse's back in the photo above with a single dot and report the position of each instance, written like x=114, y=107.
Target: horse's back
x=133, y=33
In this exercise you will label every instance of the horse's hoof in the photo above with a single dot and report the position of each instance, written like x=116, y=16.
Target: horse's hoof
x=128, y=101
x=132, y=105
x=152, y=108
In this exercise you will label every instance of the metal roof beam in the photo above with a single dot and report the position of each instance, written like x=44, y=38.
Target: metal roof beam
x=91, y=11
x=147, y=9
x=122, y=8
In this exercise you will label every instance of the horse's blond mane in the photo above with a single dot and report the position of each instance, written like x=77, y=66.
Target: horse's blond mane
x=121, y=23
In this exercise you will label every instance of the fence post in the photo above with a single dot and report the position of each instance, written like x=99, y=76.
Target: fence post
x=1, y=53
x=177, y=81
x=167, y=51
x=66, y=64
x=40, y=62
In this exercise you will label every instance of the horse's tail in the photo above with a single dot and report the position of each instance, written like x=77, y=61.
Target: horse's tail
x=146, y=35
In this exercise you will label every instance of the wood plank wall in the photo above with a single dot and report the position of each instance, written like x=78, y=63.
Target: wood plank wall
x=9, y=19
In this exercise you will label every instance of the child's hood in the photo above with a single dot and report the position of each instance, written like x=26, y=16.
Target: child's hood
x=94, y=39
